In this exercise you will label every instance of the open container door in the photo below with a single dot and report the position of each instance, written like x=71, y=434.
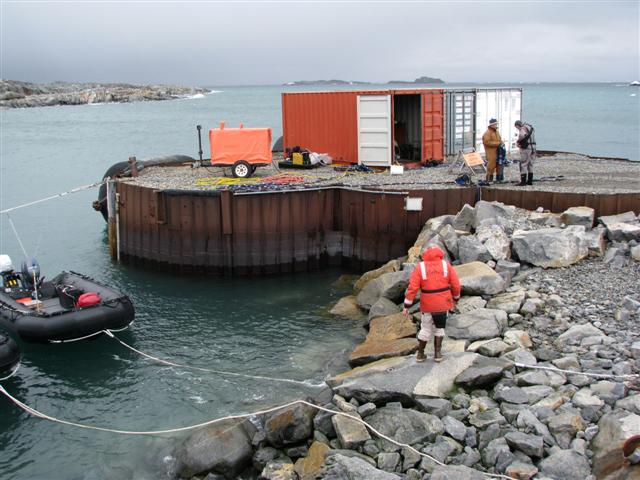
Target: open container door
x=487, y=107
x=510, y=111
x=374, y=130
x=432, y=125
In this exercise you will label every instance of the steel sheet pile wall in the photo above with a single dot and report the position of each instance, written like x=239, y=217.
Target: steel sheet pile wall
x=256, y=234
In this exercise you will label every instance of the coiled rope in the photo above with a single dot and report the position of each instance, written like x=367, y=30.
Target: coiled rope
x=306, y=383
x=44, y=416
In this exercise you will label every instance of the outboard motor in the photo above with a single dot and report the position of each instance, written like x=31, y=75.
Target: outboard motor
x=9, y=357
x=31, y=273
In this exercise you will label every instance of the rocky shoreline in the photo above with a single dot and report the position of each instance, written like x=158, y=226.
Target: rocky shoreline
x=539, y=380
x=15, y=94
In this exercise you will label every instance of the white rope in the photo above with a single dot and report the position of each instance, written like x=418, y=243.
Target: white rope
x=15, y=232
x=306, y=383
x=57, y=195
x=12, y=373
x=38, y=414
x=573, y=372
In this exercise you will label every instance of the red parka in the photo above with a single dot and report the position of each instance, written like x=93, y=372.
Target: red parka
x=437, y=280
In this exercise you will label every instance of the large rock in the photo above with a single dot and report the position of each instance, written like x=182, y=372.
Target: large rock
x=493, y=213
x=596, y=242
x=531, y=445
x=391, y=266
x=626, y=217
x=465, y=219
x=289, y=425
x=341, y=467
x=369, y=295
x=457, y=472
x=480, y=324
x=565, y=426
x=546, y=219
x=382, y=308
x=483, y=372
x=351, y=433
x=393, y=285
x=576, y=333
x=509, y=302
x=565, y=465
x=495, y=240
x=370, y=351
x=470, y=249
x=613, y=430
x=476, y=278
x=223, y=448
x=550, y=247
x=578, y=216
x=347, y=307
x=405, y=426
x=623, y=232
x=450, y=239
x=276, y=470
x=440, y=378
x=467, y=304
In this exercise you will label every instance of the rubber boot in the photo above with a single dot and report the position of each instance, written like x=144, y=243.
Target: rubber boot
x=489, y=178
x=420, y=356
x=523, y=180
x=437, y=347
x=530, y=179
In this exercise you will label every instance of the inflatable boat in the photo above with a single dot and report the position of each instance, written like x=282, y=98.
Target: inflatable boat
x=9, y=357
x=70, y=307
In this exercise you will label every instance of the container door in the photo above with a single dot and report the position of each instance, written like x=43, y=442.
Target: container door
x=433, y=125
x=374, y=130
x=487, y=107
x=510, y=111
x=460, y=120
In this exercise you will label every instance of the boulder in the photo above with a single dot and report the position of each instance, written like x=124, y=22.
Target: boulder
x=492, y=213
x=278, y=470
x=390, y=266
x=482, y=323
x=564, y=427
x=405, y=425
x=440, y=378
x=565, y=465
x=613, y=430
x=635, y=253
x=450, y=239
x=596, y=241
x=476, y=278
x=465, y=219
x=575, y=334
x=223, y=448
x=340, y=467
x=495, y=240
x=509, y=302
x=382, y=308
x=289, y=425
x=521, y=470
x=470, y=249
x=459, y=472
x=350, y=432
x=347, y=307
x=373, y=350
x=546, y=219
x=482, y=372
x=467, y=304
x=630, y=403
x=623, y=232
x=507, y=266
x=393, y=285
x=308, y=467
x=493, y=348
x=518, y=338
x=550, y=247
x=530, y=445
x=578, y=216
x=369, y=295
x=626, y=217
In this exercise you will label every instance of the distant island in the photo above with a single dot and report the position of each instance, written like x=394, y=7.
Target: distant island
x=16, y=94
x=420, y=80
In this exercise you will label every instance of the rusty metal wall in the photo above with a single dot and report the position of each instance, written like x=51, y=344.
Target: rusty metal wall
x=267, y=233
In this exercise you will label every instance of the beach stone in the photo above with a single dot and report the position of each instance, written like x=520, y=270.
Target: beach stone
x=289, y=425
x=350, y=432
x=529, y=423
x=608, y=391
x=469, y=303
x=347, y=307
x=564, y=427
x=509, y=302
x=586, y=399
x=389, y=267
x=495, y=241
x=366, y=409
x=493, y=348
x=388, y=461
x=522, y=356
x=393, y=285
x=373, y=350
x=465, y=219
x=278, y=470
x=521, y=470
x=435, y=406
x=479, y=324
x=576, y=333
x=470, y=249
x=630, y=403
x=578, y=216
x=614, y=429
x=550, y=247
x=476, y=278
x=308, y=467
x=531, y=445
x=497, y=453
x=459, y=472
x=540, y=377
x=508, y=266
x=596, y=241
x=518, y=338
x=565, y=465
x=340, y=467
x=405, y=425
x=623, y=232
x=484, y=419
x=484, y=371
x=511, y=394
x=382, y=308
x=454, y=428
x=626, y=217
x=635, y=253
x=440, y=378
x=263, y=456
x=531, y=306
x=223, y=448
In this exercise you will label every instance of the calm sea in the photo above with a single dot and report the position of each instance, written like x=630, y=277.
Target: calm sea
x=274, y=326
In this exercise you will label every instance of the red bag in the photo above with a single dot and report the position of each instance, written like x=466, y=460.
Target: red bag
x=88, y=299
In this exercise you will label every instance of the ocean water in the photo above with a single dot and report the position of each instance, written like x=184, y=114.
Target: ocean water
x=275, y=326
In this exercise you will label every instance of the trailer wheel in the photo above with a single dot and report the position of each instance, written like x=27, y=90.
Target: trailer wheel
x=241, y=169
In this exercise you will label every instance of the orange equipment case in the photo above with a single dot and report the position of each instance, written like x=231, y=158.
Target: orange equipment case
x=230, y=145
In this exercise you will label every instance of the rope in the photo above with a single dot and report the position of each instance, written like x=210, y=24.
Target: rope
x=555, y=369
x=208, y=370
x=15, y=232
x=38, y=414
x=57, y=195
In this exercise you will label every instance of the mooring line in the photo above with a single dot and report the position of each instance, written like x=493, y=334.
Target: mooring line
x=57, y=195
x=306, y=383
x=44, y=416
x=573, y=372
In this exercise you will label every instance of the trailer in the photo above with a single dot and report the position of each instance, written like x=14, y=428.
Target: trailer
x=242, y=149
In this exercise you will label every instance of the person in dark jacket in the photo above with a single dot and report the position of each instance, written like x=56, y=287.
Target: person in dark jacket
x=439, y=285
x=527, y=145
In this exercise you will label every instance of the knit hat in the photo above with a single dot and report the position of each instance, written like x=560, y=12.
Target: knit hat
x=493, y=121
x=518, y=123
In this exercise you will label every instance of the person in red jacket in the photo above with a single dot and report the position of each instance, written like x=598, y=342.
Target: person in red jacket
x=440, y=289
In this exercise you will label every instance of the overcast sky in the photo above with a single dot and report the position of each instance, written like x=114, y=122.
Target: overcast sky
x=227, y=43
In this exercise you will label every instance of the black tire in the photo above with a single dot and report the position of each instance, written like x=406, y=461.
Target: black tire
x=242, y=169
x=253, y=169
x=112, y=171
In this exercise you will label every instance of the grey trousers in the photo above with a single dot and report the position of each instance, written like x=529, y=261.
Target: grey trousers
x=526, y=161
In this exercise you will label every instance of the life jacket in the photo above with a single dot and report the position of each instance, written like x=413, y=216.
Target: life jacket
x=437, y=280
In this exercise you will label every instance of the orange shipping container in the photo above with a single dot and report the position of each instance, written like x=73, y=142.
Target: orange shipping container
x=371, y=127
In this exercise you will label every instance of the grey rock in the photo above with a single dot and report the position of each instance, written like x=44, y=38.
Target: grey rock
x=511, y=395
x=450, y=239
x=493, y=348
x=341, y=467
x=366, y=409
x=454, y=428
x=585, y=398
x=484, y=419
x=531, y=306
x=382, y=307
x=508, y=266
x=370, y=448
x=369, y=295
x=470, y=249
x=565, y=464
x=578, y=216
x=596, y=241
x=495, y=241
x=278, y=470
x=531, y=445
x=576, y=333
x=465, y=219
x=322, y=421
x=565, y=426
x=608, y=391
x=262, y=456
x=435, y=406
x=630, y=403
x=509, y=302
x=479, y=324
x=613, y=429
x=492, y=213
x=290, y=425
x=536, y=393
x=483, y=372
x=529, y=423
x=440, y=450
x=405, y=426
x=496, y=448
x=550, y=247
x=626, y=217
x=623, y=232
x=409, y=459
x=350, y=432
x=393, y=285
x=459, y=472
x=540, y=377
x=476, y=278
x=388, y=461
x=467, y=304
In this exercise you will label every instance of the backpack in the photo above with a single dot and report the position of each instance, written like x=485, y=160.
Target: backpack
x=524, y=142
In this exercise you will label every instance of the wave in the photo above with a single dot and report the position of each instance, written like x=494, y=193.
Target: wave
x=214, y=91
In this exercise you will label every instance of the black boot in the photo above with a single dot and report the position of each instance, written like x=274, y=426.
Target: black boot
x=437, y=347
x=420, y=356
x=523, y=180
x=530, y=179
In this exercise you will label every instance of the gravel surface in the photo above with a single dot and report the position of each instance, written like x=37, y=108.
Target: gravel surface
x=580, y=175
